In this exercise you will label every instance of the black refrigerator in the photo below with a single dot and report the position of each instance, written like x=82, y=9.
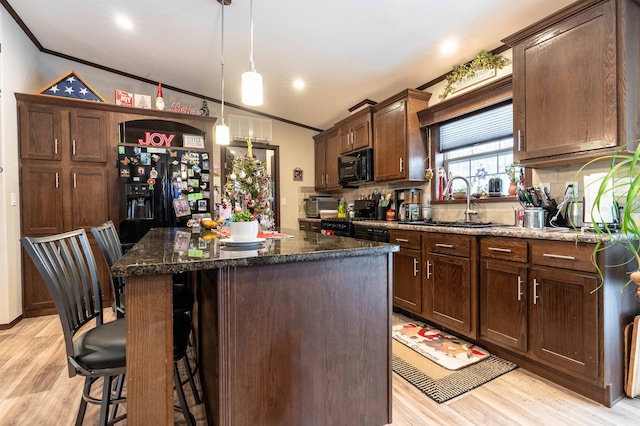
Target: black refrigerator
x=160, y=187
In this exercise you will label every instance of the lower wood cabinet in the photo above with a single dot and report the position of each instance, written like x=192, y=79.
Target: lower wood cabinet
x=504, y=291
x=564, y=319
x=450, y=296
x=407, y=282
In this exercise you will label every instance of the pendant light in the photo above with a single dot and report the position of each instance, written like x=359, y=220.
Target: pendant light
x=222, y=130
x=251, y=80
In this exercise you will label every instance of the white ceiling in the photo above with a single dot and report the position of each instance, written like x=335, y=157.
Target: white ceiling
x=345, y=50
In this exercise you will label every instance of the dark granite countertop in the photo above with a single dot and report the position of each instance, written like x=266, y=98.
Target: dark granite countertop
x=553, y=234
x=155, y=253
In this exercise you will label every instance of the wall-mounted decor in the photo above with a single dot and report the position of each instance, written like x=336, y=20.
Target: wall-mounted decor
x=192, y=141
x=297, y=173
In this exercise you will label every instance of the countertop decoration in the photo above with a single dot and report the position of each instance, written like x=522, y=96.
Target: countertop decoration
x=248, y=187
x=483, y=61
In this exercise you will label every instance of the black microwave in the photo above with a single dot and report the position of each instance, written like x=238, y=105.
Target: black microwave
x=356, y=168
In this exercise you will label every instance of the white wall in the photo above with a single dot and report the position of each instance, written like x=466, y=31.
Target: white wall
x=18, y=73
x=24, y=69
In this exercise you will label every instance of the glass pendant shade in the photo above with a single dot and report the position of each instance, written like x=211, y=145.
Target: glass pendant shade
x=222, y=134
x=252, y=88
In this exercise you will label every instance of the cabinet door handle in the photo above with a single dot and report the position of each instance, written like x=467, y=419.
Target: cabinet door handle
x=401, y=164
x=444, y=245
x=558, y=256
x=502, y=250
x=74, y=181
x=402, y=240
x=535, y=291
x=415, y=267
x=55, y=146
x=428, y=269
x=327, y=179
x=57, y=180
x=73, y=143
x=519, y=140
x=519, y=288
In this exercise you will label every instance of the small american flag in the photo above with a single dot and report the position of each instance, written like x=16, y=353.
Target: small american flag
x=69, y=85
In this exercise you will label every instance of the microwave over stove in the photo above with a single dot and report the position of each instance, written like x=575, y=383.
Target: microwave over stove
x=356, y=168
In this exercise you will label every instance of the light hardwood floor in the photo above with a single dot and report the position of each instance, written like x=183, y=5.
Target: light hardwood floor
x=36, y=390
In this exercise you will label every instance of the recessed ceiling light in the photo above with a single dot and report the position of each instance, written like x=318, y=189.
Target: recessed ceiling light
x=298, y=84
x=124, y=22
x=449, y=47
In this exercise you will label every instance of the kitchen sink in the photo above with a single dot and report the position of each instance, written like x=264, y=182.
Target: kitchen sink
x=455, y=224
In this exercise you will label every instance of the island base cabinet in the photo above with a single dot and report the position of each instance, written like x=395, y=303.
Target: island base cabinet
x=564, y=320
x=503, y=303
x=302, y=343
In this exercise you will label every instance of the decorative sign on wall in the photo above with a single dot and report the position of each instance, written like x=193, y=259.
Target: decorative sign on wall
x=297, y=173
x=192, y=141
x=142, y=101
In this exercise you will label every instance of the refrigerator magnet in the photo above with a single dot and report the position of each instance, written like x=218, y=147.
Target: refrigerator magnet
x=125, y=172
x=153, y=173
x=196, y=169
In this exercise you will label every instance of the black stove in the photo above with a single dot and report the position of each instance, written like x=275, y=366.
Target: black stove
x=340, y=226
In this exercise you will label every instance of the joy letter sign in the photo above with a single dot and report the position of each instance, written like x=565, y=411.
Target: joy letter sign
x=156, y=139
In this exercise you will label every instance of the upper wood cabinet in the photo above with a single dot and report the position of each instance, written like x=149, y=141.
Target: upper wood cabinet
x=399, y=146
x=355, y=131
x=327, y=150
x=49, y=132
x=574, y=88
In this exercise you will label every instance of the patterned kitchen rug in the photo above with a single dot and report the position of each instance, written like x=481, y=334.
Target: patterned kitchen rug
x=439, y=383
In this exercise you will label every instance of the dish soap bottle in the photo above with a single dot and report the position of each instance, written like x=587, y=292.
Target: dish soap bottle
x=341, y=209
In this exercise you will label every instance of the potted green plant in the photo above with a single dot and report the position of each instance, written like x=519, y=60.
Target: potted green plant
x=483, y=60
x=510, y=170
x=621, y=183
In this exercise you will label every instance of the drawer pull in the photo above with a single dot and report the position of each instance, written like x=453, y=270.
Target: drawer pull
x=502, y=250
x=402, y=240
x=535, y=291
x=444, y=245
x=519, y=288
x=558, y=256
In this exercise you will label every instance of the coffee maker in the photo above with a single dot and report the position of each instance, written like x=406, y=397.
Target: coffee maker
x=409, y=205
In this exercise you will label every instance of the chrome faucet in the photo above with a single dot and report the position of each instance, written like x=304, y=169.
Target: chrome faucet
x=468, y=212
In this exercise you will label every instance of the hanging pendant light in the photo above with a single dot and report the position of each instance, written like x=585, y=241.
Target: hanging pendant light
x=222, y=130
x=251, y=80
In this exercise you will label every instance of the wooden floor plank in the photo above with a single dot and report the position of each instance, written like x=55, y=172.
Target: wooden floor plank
x=35, y=389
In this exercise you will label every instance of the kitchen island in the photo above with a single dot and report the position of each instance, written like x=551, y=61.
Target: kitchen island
x=291, y=331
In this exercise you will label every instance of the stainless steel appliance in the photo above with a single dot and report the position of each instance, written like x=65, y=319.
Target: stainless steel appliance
x=356, y=168
x=316, y=203
x=409, y=205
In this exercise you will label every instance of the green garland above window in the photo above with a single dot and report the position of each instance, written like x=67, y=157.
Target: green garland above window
x=484, y=60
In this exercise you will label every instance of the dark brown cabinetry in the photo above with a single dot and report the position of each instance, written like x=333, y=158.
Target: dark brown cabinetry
x=309, y=225
x=68, y=178
x=327, y=150
x=576, y=82
x=355, y=131
x=450, y=282
x=564, y=312
x=64, y=183
x=399, y=146
x=407, y=281
x=503, y=291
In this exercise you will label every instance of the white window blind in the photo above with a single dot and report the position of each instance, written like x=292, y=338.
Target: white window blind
x=486, y=125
